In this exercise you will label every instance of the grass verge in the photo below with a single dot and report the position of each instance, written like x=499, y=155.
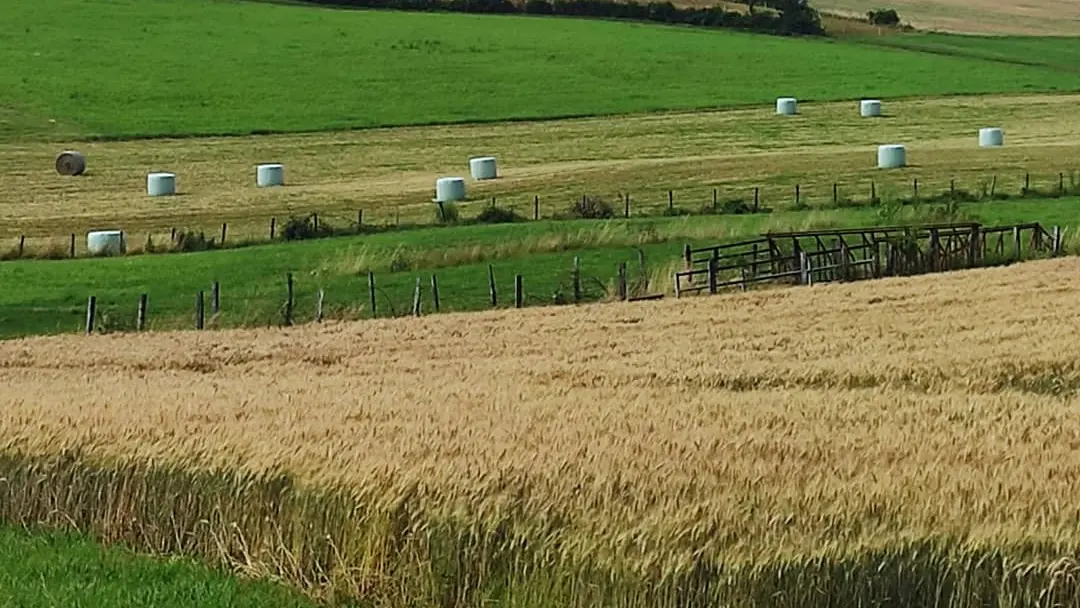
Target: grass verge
x=253, y=279
x=52, y=568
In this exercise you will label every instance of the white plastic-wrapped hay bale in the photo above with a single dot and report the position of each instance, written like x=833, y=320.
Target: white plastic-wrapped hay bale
x=483, y=167
x=105, y=242
x=869, y=108
x=991, y=137
x=891, y=156
x=70, y=162
x=269, y=175
x=449, y=189
x=787, y=106
x=161, y=184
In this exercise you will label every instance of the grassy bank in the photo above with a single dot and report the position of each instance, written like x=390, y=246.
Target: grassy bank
x=253, y=279
x=45, y=569
x=349, y=69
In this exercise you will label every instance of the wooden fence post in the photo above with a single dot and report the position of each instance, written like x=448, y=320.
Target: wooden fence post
x=757, y=198
x=319, y=306
x=1056, y=240
x=416, y=299
x=935, y=250
x=715, y=198
x=845, y=268
x=622, y=291
x=491, y=286
x=22, y=244
x=224, y=231
x=91, y=313
x=72, y=244
x=952, y=189
x=1027, y=183
x=973, y=247
x=315, y=222
x=712, y=272
x=873, y=191
x=140, y=318
x=359, y=221
x=273, y=227
x=675, y=284
x=172, y=236
x=200, y=315
x=215, y=298
x=804, y=267
x=915, y=189
x=626, y=211
x=671, y=200
x=835, y=194
x=371, y=292
x=575, y=279
x=1017, y=244
x=688, y=257
x=536, y=207
x=798, y=197
x=435, y=293
x=519, y=292
x=289, y=300
x=993, y=186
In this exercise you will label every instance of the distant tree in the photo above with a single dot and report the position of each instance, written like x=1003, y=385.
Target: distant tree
x=883, y=17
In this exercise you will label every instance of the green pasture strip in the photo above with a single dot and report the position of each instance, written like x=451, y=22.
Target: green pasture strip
x=44, y=297
x=196, y=67
x=1056, y=52
x=48, y=569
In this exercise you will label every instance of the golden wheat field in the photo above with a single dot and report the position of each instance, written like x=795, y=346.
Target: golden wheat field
x=390, y=173
x=748, y=437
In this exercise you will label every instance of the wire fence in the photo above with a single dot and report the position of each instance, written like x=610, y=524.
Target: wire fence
x=689, y=200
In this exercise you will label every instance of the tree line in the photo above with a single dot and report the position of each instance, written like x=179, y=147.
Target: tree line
x=787, y=17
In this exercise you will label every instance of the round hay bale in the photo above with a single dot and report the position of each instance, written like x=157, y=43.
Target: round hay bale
x=891, y=156
x=70, y=162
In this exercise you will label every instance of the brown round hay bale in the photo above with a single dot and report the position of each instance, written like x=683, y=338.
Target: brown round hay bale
x=70, y=162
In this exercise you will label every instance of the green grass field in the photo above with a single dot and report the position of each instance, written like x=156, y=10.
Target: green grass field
x=1058, y=53
x=261, y=67
x=253, y=279
x=60, y=569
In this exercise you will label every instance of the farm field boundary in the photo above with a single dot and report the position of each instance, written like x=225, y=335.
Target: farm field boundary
x=230, y=421
x=520, y=68
x=390, y=174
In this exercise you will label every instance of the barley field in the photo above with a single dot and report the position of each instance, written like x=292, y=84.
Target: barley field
x=903, y=442
x=390, y=173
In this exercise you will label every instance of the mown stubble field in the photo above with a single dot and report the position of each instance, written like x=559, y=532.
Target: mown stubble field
x=743, y=429
x=1032, y=18
x=390, y=173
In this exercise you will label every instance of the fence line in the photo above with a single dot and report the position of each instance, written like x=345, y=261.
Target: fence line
x=313, y=225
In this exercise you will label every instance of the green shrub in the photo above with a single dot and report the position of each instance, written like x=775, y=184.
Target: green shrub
x=591, y=208
x=498, y=215
x=189, y=240
x=446, y=214
x=887, y=17
x=307, y=227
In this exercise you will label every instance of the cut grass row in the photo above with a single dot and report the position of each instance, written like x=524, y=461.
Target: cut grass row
x=390, y=173
x=253, y=279
x=47, y=569
x=347, y=69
